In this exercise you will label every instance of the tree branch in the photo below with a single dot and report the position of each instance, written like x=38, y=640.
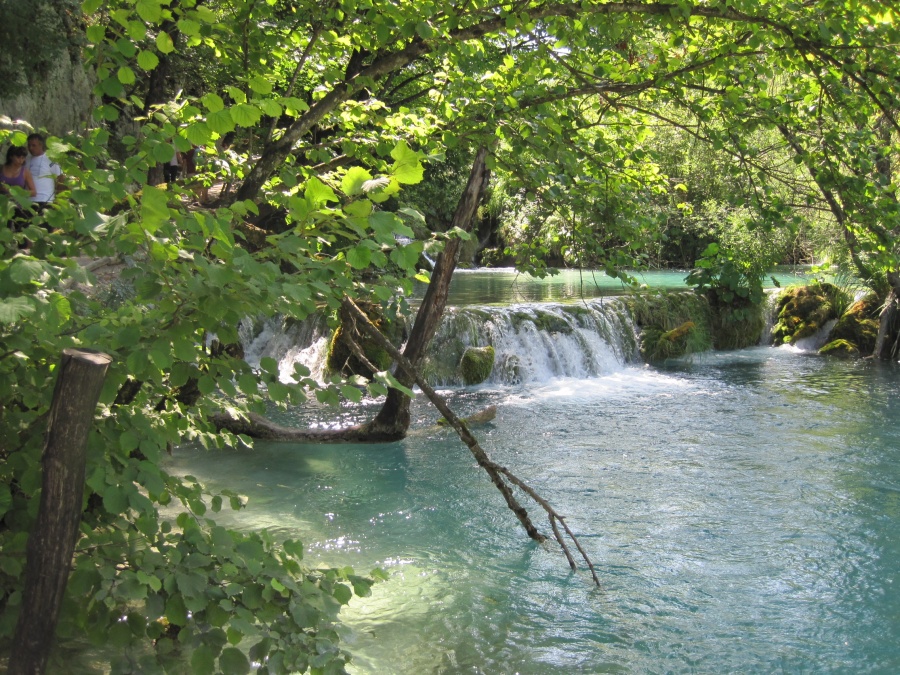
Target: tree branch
x=499, y=475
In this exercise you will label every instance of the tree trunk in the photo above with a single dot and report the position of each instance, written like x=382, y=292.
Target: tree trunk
x=887, y=343
x=392, y=421
x=52, y=542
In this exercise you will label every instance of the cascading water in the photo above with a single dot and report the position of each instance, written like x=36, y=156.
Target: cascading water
x=532, y=342
x=290, y=343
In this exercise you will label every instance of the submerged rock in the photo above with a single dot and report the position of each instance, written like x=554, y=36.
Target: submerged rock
x=483, y=416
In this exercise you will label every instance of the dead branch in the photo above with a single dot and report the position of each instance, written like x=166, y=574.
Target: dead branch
x=500, y=476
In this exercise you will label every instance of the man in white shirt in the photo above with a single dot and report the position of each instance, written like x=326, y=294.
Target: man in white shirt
x=46, y=173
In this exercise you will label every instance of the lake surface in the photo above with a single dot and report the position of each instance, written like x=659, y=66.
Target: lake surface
x=506, y=285
x=742, y=511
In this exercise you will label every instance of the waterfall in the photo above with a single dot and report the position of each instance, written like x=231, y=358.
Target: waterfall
x=532, y=342
x=290, y=343
x=535, y=342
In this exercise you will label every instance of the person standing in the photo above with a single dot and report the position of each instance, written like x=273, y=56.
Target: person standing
x=173, y=168
x=46, y=173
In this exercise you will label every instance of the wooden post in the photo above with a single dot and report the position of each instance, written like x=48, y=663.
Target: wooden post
x=52, y=542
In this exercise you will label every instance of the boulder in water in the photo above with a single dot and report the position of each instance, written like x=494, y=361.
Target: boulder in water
x=803, y=311
x=476, y=364
x=858, y=327
x=841, y=349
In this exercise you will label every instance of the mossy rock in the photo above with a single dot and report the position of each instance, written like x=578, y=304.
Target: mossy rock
x=737, y=326
x=803, y=311
x=548, y=322
x=841, y=349
x=658, y=345
x=476, y=364
x=672, y=324
x=858, y=327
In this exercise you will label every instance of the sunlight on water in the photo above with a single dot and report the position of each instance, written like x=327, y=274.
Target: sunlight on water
x=741, y=508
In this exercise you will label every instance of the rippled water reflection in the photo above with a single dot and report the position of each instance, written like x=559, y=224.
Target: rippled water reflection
x=742, y=511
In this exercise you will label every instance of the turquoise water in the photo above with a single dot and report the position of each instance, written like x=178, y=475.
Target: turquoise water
x=741, y=510
x=502, y=286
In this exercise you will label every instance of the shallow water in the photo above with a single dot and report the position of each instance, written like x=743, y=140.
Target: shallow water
x=741, y=511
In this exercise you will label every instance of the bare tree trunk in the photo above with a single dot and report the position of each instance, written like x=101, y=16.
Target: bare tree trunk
x=392, y=421
x=887, y=343
x=52, y=542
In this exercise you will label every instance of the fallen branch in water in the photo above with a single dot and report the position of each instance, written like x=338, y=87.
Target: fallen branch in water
x=500, y=476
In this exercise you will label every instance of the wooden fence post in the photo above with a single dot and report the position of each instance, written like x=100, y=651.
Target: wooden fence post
x=52, y=542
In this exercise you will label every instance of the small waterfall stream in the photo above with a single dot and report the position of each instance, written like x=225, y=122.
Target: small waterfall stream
x=532, y=342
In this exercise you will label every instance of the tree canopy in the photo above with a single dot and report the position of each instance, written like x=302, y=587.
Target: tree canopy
x=320, y=115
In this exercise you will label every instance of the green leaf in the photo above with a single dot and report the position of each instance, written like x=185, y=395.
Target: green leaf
x=342, y=594
x=24, y=271
x=359, y=257
x=96, y=33
x=198, y=133
x=248, y=383
x=294, y=106
x=188, y=27
x=245, y=114
x=163, y=152
x=352, y=183
x=115, y=499
x=260, y=85
x=147, y=60
x=407, y=256
x=137, y=31
x=269, y=107
x=317, y=193
x=407, y=167
x=351, y=393
x=233, y=662
x=203, y=660
x=154, y=208
x=164, y=43
x=13, y=309
x=220, y=121
x=213, y=102
x=149, y=10
x=424, y=29
x=294, y=547
x=176, y=612
x=385, y=224
x=126, y=75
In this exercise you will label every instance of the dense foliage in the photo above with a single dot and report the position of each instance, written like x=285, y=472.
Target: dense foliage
x=318, y=114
